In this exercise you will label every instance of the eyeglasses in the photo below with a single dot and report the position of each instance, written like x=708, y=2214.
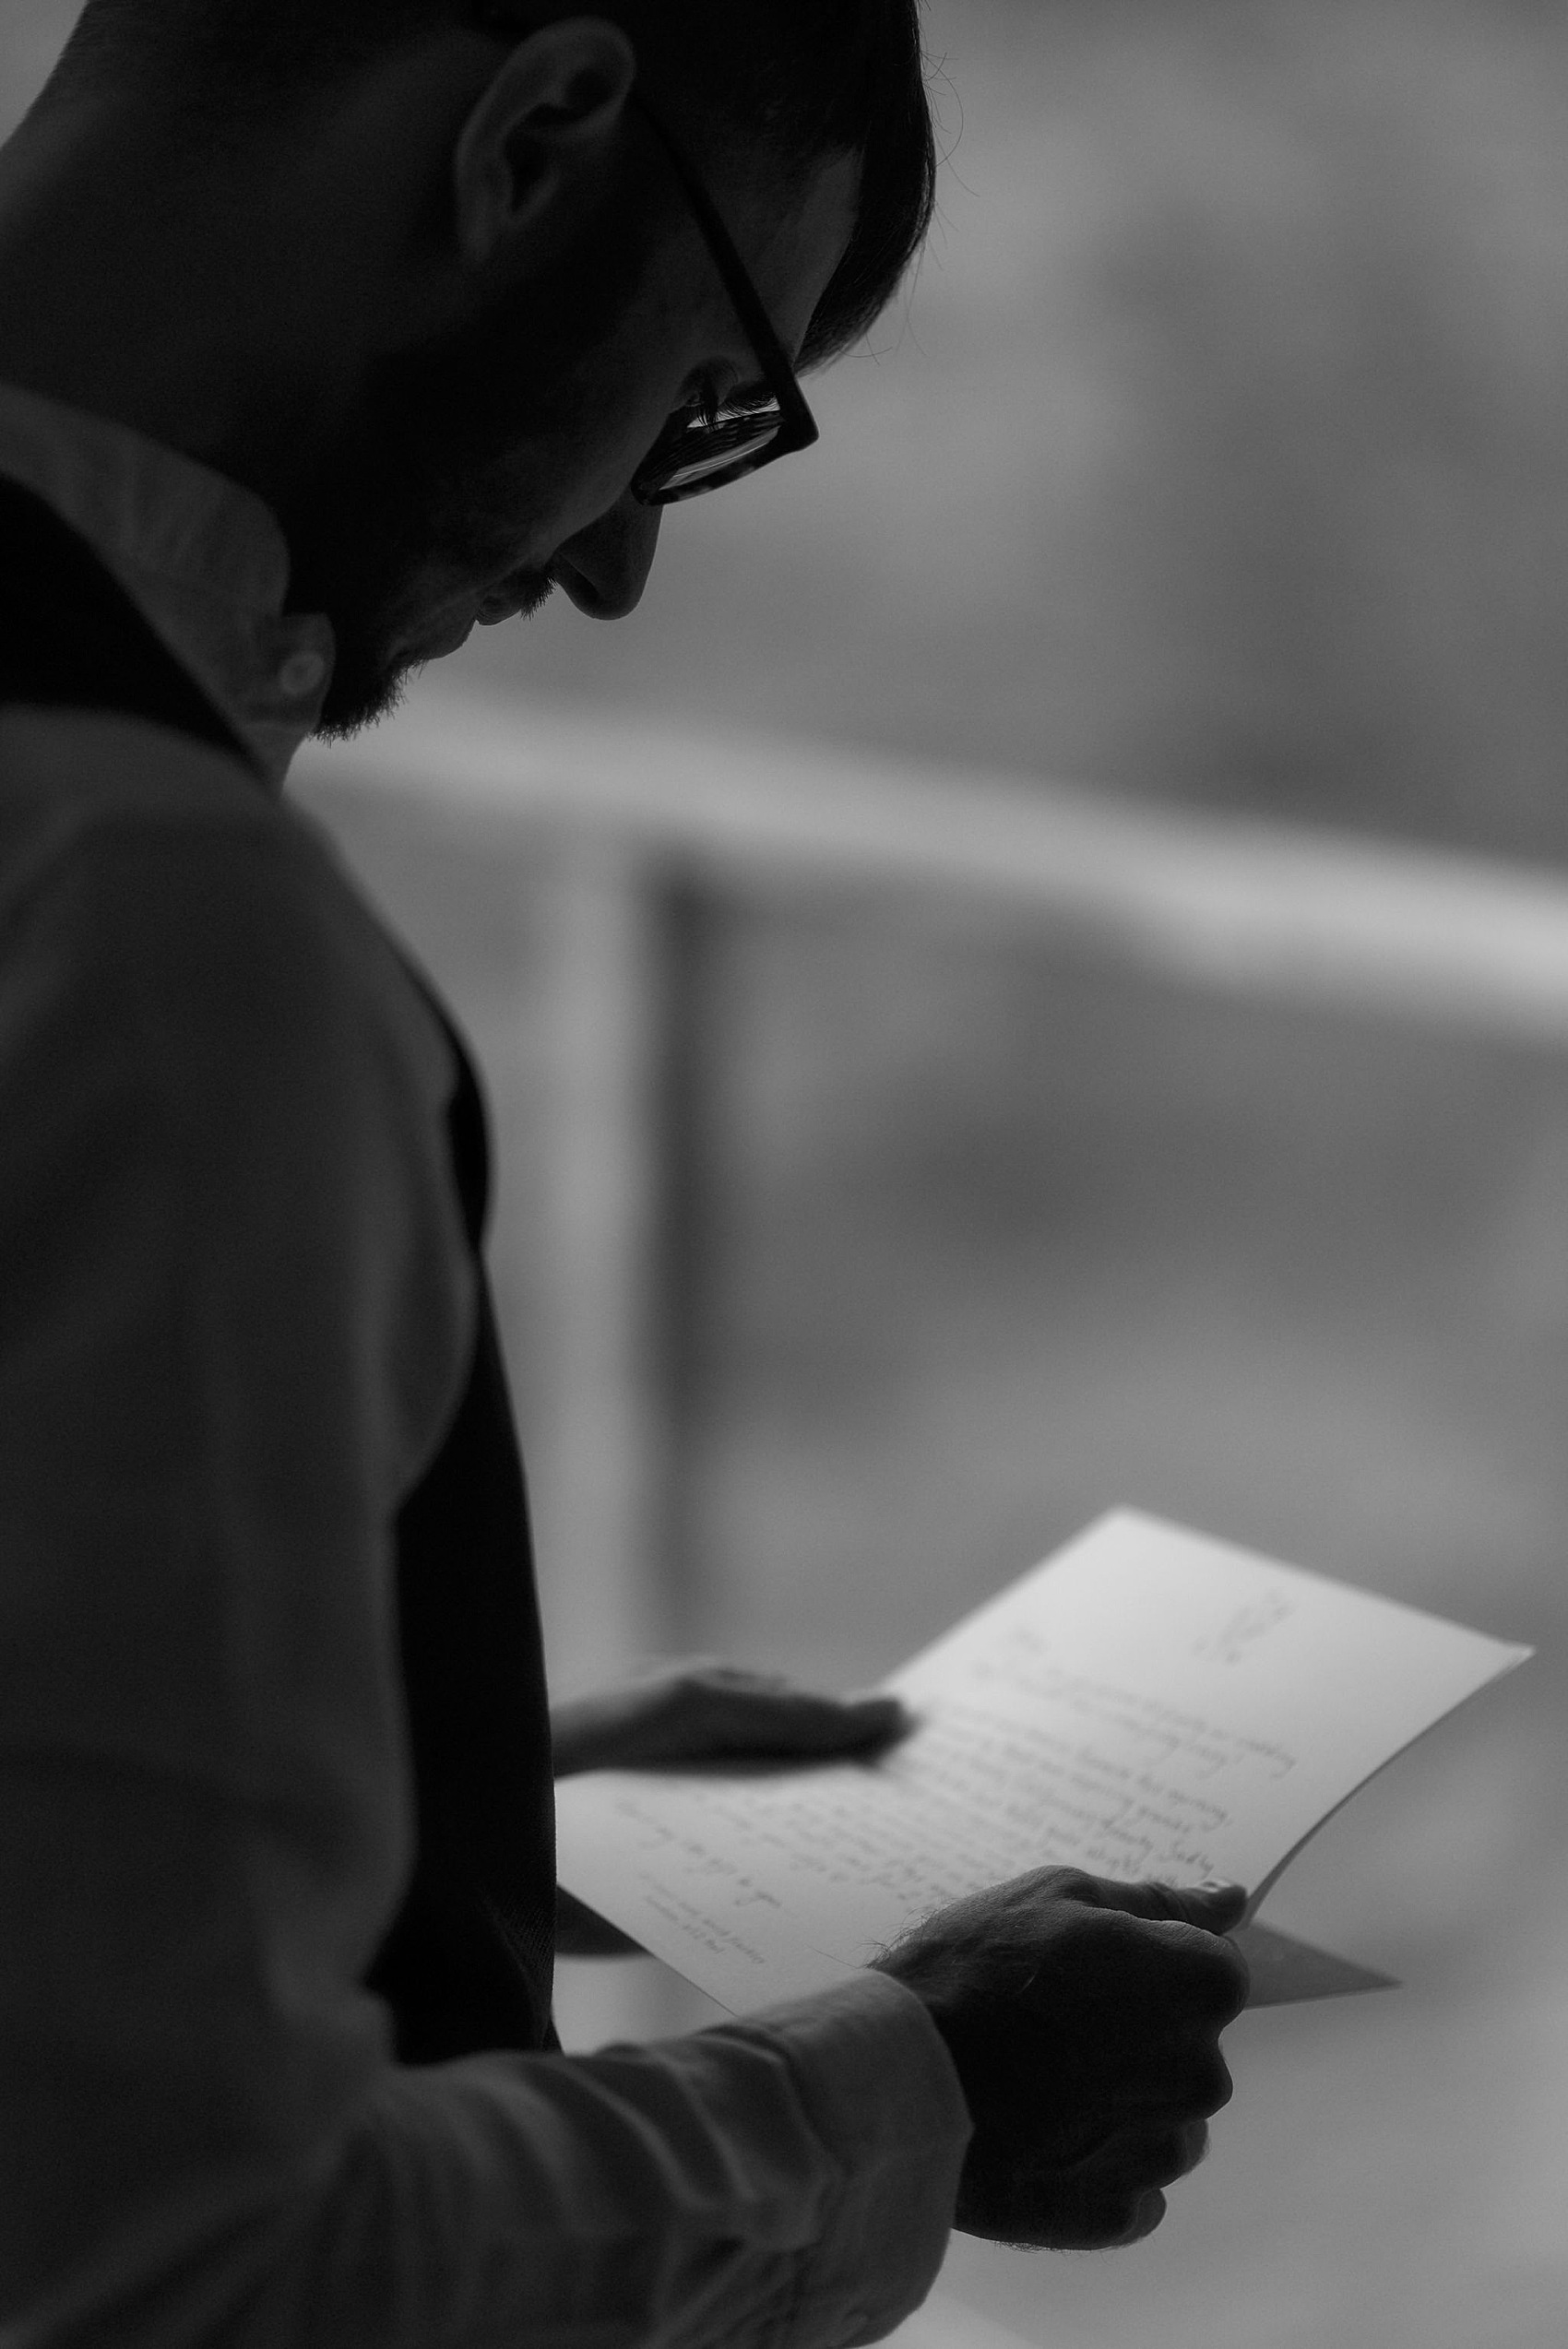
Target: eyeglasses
x=699, y=450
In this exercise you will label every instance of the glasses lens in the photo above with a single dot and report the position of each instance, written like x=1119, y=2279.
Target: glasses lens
x=697, y=455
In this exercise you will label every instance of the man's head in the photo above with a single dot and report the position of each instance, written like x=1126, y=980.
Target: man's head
x=464, y=289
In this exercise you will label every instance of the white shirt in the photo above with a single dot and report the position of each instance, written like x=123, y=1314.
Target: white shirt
x=235, y=1313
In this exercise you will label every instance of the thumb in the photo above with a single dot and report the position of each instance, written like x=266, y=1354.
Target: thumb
x=877, y=1715
x=1216, y=1908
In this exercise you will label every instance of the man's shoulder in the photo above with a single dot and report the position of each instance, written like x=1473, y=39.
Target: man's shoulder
x=67, y=776
x=165, y=832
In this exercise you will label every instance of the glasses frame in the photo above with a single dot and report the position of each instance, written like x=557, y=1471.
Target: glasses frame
x=798, y=428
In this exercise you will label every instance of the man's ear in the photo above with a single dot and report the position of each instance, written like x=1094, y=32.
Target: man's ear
x=555, y=103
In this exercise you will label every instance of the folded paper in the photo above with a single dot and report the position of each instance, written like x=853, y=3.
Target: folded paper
x=1149, y=1702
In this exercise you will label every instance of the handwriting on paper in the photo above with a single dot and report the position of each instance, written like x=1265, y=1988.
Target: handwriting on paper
x=1100, y=1780
x=1147, y=1704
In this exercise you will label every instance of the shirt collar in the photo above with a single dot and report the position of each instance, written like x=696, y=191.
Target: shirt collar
x=203, y=560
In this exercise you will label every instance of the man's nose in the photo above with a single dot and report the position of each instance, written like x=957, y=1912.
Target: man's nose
x=604, y=568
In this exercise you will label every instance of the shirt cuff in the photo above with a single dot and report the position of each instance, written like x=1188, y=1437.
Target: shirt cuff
x=881, y=2091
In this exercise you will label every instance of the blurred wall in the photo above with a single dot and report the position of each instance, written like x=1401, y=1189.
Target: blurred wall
x=1221, y=449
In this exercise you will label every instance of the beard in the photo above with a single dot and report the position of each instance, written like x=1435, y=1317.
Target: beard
x=453, y=440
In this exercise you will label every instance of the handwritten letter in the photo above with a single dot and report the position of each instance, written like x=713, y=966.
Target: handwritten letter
x=1147, y=1702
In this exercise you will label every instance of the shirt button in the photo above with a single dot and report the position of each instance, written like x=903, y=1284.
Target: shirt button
x=302, y=674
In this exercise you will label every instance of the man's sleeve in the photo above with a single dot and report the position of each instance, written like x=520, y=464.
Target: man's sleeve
x=233, y=1311
x=789, y=2179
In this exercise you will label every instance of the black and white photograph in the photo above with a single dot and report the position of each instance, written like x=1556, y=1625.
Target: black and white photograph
x=783, y=1174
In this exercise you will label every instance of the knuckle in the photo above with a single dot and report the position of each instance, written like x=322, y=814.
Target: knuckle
x=1103, y=2220
x=1238, y=1980
x=1189, y=2145
x=1147, y=2215
x=1128, y=2221
x=1198, y=2082
x=1217, y=2087
x=1222, y=1998
x=1181, y=2150
x=1159, y=2153
x=1216, y=1973
x=1062, y=1884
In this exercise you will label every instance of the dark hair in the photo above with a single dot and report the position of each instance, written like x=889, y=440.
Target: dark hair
x=796, y=79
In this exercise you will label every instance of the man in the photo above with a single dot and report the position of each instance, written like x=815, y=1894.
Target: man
x=327, y=328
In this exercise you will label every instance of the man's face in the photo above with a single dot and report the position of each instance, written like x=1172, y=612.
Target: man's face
x=488, y=467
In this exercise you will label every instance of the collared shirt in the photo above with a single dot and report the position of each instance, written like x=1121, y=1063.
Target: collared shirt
x=235, y=1311
x=203, y=559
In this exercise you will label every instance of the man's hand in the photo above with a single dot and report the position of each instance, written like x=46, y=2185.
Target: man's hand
x=1083, y=2018
x=706, y=1712
x=703, y=1711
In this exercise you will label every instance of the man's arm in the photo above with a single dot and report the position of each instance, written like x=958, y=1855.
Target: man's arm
x=208, y=2155
x=233, y=1311
x=1083, y=2017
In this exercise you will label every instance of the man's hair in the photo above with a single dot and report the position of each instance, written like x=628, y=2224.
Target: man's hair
x=793, y=81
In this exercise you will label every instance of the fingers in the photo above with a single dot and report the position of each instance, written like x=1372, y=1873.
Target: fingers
x=1102, y=2222
x=810, y=1724
x=1147, y=2212
x=1113, y=2198
x=1190, y=2077
x=886, y=1715
x=1216, y=1908
x=1195, y=1922
x=1117, y=2199
x=1160, y=2156
x=1205, y=2085
x=731, y=1711
x=1215, y=1976
x=1039, y=2215
x=708, y=1712
x=1154, y=1934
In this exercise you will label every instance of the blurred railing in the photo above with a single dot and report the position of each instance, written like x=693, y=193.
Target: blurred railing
x=643, y=819
x=1240, y=902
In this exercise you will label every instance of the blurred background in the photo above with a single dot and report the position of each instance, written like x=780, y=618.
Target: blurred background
x=867, y=1226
